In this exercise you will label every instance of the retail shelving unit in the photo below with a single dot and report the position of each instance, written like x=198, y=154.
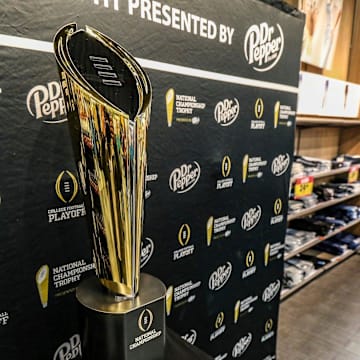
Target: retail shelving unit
x=335, y=261
x=321, y=174
x=326, y=122
x=328, y=137
x=339, y=124
x=321, y=205
x=318, y=239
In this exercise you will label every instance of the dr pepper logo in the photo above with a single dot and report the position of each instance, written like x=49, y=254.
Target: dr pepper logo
x=184, y=177
x=220, y=276
x=242, y=345
x=226, y=111
x=147, y=249
x=271, y=291
x=251, y=218
x=263, y=46
x=69, y=350
x=280, y=164
x=190, y=337
x=46, y=103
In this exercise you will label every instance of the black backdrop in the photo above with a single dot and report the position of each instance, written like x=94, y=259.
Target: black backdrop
x=225, y=89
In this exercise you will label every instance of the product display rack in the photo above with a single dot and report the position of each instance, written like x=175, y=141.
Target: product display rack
x=307, y=122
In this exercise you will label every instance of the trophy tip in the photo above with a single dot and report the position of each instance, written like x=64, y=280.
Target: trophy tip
x=63, y=32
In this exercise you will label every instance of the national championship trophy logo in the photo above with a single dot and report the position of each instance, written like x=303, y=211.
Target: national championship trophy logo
x=170, y=99
x=245, y=167
x=42, y=283
x=108, y=101
x=169, y=299
x=266, y=254
x=237, y=311
x=276, y=114
x=209, y=230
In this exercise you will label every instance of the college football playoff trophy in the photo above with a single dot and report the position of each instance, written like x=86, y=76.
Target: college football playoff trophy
x=108, y=99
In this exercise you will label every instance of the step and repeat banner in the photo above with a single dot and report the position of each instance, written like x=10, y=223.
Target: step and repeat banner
x=220, y=144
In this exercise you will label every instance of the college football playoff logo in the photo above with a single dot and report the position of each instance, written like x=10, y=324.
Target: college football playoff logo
x=226, y=166
x=259, y=108
x=277, y=206
x=269, y=325
x=184, y=234
x=219, y=320
x=66, y=186
x=250, y=258
x=145, y=320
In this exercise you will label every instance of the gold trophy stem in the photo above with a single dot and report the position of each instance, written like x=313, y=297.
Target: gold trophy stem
x=109, y=139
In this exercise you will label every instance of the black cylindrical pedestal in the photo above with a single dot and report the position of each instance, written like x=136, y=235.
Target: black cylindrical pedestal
x=114, y=329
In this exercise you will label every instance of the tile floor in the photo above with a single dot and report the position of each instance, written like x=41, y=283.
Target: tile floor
x=322, y=320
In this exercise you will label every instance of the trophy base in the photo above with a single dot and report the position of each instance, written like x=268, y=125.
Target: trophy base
x=126, y=329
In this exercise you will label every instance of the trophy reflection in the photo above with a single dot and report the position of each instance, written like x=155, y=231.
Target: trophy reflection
x=108, y=100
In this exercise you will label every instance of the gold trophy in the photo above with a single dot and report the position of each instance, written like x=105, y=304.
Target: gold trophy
x=42, y=282
x=276, y=114
x=209, y=230
x=245, y=166
x=170, y=99
x=236, y=311
x=266, y=254
x=108, y=100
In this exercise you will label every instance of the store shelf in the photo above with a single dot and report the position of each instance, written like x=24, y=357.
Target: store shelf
x=320, y=206
x=321, y=174
x=326, y=121
x=319, y=239
x=339, y=259
x=287, y=292
x=316, y=273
